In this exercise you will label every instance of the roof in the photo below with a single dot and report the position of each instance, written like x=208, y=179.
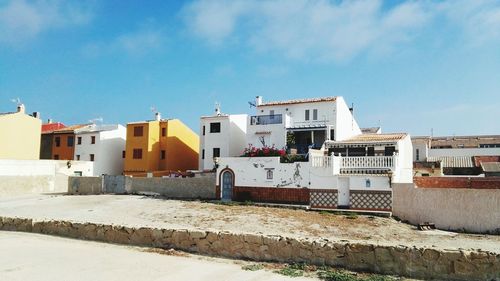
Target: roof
x=6, y=113
x=49, y=127
x=458, y=137
x=70, y=129
x=296, y=101
x=491, y=167
x=453, y=161
x=371, y=130
x=375, y=138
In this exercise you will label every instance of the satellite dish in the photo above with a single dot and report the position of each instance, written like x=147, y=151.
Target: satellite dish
x=252, y=104
x=16, y=101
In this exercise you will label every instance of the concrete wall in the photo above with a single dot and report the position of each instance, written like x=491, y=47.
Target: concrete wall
x=472, y=210
x=22, y=177
x=186, y=188
x=20, y=136
x=85, y=185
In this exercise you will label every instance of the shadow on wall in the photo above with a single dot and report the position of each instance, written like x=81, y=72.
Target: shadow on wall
x=179, y=156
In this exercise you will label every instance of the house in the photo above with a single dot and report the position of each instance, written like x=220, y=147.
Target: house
x=328, y=163
x=455, y=154
x=160, y=147
x=62, y=143
x=304, y=122
x=20, y=135
x=102, y=144
x=221, y=135
x=47, y=138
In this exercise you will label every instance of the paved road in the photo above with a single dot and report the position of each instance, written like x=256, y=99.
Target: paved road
x=27, y=256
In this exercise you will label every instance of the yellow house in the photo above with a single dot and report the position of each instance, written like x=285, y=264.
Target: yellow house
x=19, y=135
x=160, y=147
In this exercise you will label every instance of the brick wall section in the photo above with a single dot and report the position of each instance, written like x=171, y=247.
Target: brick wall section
x=271, y=194
x=457, y=182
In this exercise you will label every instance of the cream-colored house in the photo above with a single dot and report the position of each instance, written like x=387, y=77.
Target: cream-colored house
x=19, y=135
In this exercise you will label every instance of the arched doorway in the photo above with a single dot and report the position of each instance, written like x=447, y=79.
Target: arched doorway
x=227, y=186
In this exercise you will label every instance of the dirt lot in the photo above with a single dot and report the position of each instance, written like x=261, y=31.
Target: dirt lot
x=146, y=211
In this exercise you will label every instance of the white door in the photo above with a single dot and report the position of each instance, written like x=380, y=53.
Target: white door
x=343, y=189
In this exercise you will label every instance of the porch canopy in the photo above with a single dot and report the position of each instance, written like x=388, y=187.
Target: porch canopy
x=366, y=145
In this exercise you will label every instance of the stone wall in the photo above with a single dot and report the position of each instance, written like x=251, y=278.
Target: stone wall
x=398, y=260
x=459, y=209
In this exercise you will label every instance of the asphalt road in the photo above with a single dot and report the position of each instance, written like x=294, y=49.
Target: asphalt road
x=27, y=256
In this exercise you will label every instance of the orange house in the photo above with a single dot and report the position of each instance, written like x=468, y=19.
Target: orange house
x=64, y=141
x=160, y=147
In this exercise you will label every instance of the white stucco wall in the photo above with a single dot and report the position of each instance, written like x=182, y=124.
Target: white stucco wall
x=404, y=169
x=346, y=125
x=107, y=149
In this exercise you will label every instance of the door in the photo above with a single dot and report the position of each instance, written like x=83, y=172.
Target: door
x=343, y=192
x=227, y=186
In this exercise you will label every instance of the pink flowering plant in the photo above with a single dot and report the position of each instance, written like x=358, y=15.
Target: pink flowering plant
x=266, y=151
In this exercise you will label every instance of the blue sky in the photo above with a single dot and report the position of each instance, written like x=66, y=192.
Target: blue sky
x=408, y=66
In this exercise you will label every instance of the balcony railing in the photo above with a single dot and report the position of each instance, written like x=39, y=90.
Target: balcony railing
x=266, y=119
x=355, y=165
x=368, y=162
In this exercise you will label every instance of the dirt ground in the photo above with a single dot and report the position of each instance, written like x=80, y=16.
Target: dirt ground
x=147, y=211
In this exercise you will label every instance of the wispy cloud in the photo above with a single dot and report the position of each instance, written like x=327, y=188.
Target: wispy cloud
x=323, y=30
x=135, y=43
x=22, y=21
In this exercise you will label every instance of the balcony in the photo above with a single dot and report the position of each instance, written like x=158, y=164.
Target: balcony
x=356, y=165
x=266, y=119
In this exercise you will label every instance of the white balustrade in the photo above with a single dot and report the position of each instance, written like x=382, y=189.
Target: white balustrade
x=368, y=162
x=321, y=161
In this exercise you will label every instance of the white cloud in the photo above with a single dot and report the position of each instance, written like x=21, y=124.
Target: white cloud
x=22, y=21
x=327, y=30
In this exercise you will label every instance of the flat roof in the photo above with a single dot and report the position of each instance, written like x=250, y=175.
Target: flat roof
x=297, y=101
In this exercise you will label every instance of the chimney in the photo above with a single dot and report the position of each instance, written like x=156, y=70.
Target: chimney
x=21, y=108
x=49, y=121
x=258, y=100
x=157, y=116
x=36, y=115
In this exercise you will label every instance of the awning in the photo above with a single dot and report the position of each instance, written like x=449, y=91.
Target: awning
x=453, y=161
x=307, y=127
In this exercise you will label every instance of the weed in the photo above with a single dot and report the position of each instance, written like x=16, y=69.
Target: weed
x=253, y=267
x=337, y=276
x=351, y=216
x=287, y=271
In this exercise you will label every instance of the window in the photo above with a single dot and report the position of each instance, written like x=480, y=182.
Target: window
x=332, y=134
x=92, y=157
x=203, y=154
x=307, y=115
x=368, y=183
x=163, y=154
x=215, y=127
x=123, y=154
x=56, y=157
x=92, y=139
x=70, y=141
x=137, y=153
x=417, y=154
x=163, y=132
x=269, y=174
x=57, y=140
x=138, y=131
x=216, y=152
x=315, y=114
x=78, y=157
x=271, y=114
x=203, y=130
x=79, y=140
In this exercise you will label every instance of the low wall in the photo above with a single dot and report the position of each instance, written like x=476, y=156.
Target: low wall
x=457, y=182
x=181, y=188
x=22, y=185
x=397, y=260
x=460, y=209
x=202, y=187
x=271, y=194
x=85, y=185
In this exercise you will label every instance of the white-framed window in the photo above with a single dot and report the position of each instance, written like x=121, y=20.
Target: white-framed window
x=417, y=154
x=307, y=115
x=315, y=114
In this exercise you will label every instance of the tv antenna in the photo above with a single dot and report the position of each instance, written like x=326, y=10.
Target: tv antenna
x=17, y=101
x=153, y=109
x=252, y=104
x=95, y=120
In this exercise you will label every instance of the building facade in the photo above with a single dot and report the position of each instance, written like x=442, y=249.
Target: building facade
x=61, y=145
x=339, y=166
x=19, y=135
x=47, y=139
x=221, y=135
x=104, y=145
x=160, y=148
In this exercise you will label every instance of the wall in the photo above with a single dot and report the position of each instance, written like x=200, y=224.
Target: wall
x=472, y=210
x=464, y=152
x=22, y=177
x=346, y=125
x=85, y=185
x=404, y=169
x=20, y=136
x=182, y=147
x=186, y=188
x=63, y=151
x=457, y=182
x=413, y=262
x=209, y=141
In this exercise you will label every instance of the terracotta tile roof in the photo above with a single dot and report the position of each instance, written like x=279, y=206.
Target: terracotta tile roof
x=375, y=138
x=71, y=129
x=453, y=161
x=50, y=127
x=310, y=100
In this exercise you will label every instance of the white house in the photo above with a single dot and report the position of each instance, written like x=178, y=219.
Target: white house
x=344, y=168
x=104, y=145
x=221, y=135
